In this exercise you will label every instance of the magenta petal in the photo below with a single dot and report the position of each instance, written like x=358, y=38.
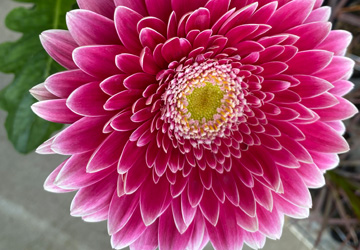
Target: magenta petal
x=125, y=23
x=45, y=147
x=159, y=8
x=131, y=151
x=337, y=42
x=108, y=153
x=93, y=198
x=148, y=240
x=297, y=194
x=98, y=61
x=245, y=221
x=184, y=6
x=136, y=5
x=321, y=138
x=188, y=212
x=150, y=38
x=169, y=236
x=195, y=189
x=122, y=99
x=55, y=111
x=340, y=68
x=198, y=20
x=341, y=111
x=59, y=44
x=311, y=86
x=311, y=175
x=290, y=209
x=210, y=207
x=311, y=34
x=341, y=87
x=177, y=216
x=263, y=195
x=151, y=204
x=320, y=14
x=270, y=223
x=199, y=237
x=113, y=84
x=254, y=240
x=128, y=63
x=88, y=100
x=217, y=8
x=106, y=7
x=299, y=64
x=49, y=184
x=225, y=235
x=148, y=63
x=89, y=28
x=290, y=15
x=41, y=93
x=73, y=175
x=98, y=216
x=64, y=83
x=81, y=136
x=139, y=81
x=136, y=176
x=121, y=210
x=132, y=230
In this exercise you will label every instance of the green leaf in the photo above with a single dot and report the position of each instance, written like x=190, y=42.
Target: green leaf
x=349, y=189
x=28, y=61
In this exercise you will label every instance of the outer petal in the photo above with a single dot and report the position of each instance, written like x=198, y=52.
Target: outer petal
x=59, y=44
x=105, y=7
x=89, y=28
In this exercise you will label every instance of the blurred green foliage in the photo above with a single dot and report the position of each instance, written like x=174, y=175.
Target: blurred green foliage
x=28, y=61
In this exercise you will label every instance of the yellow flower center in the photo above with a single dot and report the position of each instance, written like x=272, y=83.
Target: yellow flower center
x=204, y=102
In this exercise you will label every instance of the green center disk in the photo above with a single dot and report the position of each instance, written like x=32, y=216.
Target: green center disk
x=204, y=101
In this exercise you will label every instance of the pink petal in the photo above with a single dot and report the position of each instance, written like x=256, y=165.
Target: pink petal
x=108, y=153
x=217, y=8
x=290, y=15
x=325, y=161
x=83, y=135
x=296, y=194
x=225, y=235
x=113, y=84
x=59, y=44
x=128, y=63
x=106, y=7
x=136, y=5
x=337, y=42
x=341, y=111
x=98, y=216
x=40, y=93
x=152, y=199
x=198, y=20
x=73, y=174
x=311, y=175
x=64, y=83
x=49, y=184
x=98, y=61
x=311, y=34
x=55, y=111
x=299, y=64
x=125, y=23
x=270, y=223
x=148, y=63
x=159, y=8
x=340, y=68
x=88, y=100
x=245, y=221
x=130, y=152
x=319, y=15
x=122, y=99
x=132, y=230
x=322, y=138
x=121, y=210
x=187, y=211
x=263, y=195
x=341, y=87
x=169, y=236
x=136, y=176
x=311, y=86
x=148, y=240
x=195, y=189
x=210, y=207
x=93, y=198
x=290, y=209
x=184, y=6
x=89, y=28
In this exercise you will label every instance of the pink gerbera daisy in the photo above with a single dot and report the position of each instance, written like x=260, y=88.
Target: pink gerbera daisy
x=195, y=120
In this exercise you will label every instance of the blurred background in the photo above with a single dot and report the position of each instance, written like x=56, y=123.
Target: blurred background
x=33, y=219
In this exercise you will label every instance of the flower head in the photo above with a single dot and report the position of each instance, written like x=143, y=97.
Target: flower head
x=195, y=120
